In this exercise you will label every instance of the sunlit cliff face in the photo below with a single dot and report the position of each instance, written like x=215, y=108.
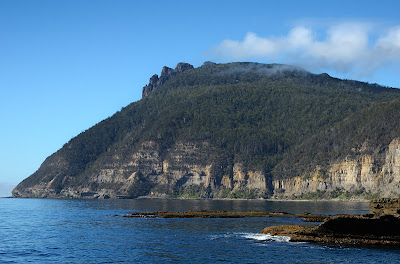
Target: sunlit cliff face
x=360, y=175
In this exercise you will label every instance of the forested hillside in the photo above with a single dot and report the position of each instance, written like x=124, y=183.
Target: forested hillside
x=221, y=130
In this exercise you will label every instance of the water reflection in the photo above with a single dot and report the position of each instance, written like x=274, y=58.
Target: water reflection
x=141, y=205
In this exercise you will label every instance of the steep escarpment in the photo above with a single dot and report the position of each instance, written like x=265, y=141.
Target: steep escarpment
x=362, y=176
x=237, y=130
x=359, y=156
x=184, y=170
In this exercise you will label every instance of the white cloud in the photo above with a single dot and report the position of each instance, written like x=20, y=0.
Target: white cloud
x=344, y=47
x=389, y=45
x=300, y=37
x=344, y=43
x=251, y=46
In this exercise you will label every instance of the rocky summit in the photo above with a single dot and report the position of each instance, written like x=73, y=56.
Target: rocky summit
x=236, y=130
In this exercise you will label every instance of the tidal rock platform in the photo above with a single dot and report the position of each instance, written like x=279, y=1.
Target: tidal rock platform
x=307, y=217
x=374, y=229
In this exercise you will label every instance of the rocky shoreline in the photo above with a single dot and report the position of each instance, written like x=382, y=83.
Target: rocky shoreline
x=349, y=230
x=381, y=227
x=345, y=229
x=307, y=217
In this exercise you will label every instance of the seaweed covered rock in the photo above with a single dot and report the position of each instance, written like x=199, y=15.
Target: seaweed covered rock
x=385, y=206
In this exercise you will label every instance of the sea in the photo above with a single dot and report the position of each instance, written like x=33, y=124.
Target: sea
x=95, y=231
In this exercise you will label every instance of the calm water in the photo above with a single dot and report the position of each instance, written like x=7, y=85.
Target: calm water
x=87, y=231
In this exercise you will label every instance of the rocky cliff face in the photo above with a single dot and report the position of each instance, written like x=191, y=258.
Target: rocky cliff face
x=185, y=170
x=155, y=82
x=377, y=174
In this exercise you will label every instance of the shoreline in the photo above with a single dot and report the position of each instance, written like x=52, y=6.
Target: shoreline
x=267, y=199
x=344, y=230
x=194, y=199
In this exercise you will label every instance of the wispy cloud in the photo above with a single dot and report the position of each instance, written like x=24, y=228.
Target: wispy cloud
x=345, y=47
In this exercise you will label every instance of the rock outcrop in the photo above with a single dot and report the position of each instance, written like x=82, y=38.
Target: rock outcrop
x=369, y=229
x=375, y=174
x=184, y=170
x=385, y=206
x=155, y=82
x=307, y=217
x=344, y=230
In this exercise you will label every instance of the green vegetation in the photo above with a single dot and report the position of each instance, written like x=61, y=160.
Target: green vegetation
x=368, y=131
x=225, y=193
x=254, y=120
x=192, y=192
x=335, y=194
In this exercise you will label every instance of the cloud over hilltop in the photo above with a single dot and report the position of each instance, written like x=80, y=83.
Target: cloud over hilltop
x=344, y=47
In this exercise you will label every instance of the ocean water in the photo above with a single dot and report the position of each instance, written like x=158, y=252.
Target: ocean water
x=94, y=231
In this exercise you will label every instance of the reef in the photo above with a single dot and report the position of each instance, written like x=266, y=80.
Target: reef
x=307, y=217
x=378, y=228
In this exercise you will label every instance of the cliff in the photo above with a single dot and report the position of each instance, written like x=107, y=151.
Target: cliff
x=358, y=157
x=155, y=82
x=238, y=130
x=363, y=174
x=184, y=170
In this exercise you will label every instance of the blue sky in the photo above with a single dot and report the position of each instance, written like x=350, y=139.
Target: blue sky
x=66, y=65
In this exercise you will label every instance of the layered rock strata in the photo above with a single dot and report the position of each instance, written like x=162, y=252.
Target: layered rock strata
x=184, y=170
x=375, y=174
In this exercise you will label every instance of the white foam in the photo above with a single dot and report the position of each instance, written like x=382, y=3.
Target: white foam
x=266, y=237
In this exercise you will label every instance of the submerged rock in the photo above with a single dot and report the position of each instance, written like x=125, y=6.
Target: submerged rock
x=227, y=214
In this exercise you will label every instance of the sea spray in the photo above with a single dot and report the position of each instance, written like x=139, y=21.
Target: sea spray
x=266, y=237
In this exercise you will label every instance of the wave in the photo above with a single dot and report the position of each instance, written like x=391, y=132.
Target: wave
x=266, y=237
x=252, y=236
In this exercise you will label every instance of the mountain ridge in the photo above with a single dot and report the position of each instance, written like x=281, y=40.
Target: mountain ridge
x=216, y=131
